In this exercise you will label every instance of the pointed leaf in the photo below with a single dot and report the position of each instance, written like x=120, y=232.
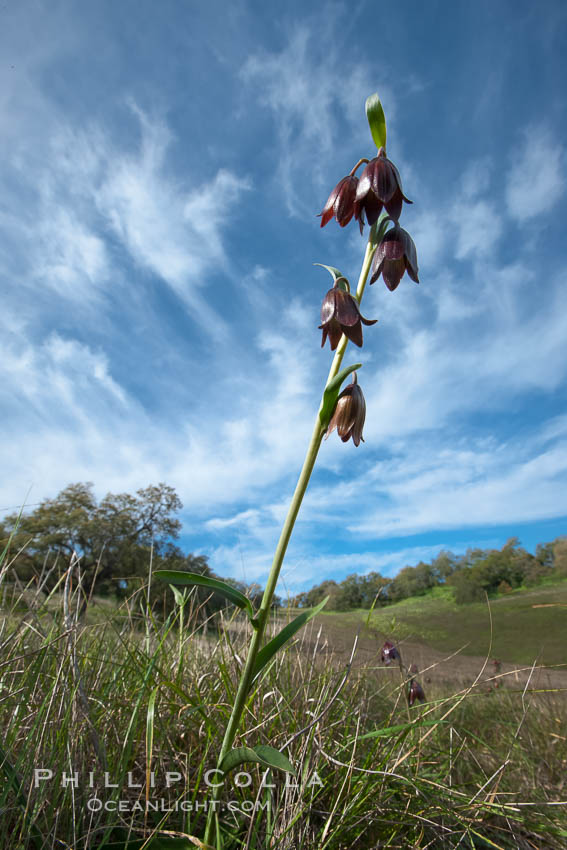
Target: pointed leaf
x=180, y=598
x=376, y=120
x=237, y=756
x=274, y=758
x=335, y=384
x=389, y=731
x=336, y=274
x=220, y=587
x=150, y=718
x=382, y=226
x=332, y=393
x=269, y=650
x=262, y=754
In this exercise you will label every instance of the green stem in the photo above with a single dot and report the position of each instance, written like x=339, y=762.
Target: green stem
x=264, y=612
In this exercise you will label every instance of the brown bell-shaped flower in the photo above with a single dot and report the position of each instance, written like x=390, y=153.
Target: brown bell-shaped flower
x=349, y=414
x=341, y=202
x=379, y=186
x=389, y=653
x=415, y=692
x=395, y=255
x=340, y=314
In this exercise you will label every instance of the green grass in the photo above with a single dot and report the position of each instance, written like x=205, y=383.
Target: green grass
x=520, y=632
x=115, y=692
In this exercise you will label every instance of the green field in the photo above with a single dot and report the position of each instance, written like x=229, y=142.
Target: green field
x=119, y=692
x=520, y=632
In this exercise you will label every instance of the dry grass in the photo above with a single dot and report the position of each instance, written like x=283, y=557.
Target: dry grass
x=129, y=695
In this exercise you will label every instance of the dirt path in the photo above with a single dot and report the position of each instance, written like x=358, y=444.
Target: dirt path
x=437, y=667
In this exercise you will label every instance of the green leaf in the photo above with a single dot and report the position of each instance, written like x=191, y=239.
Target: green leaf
x=262, y=754
x=269, y=650
x=150, y=718
x=389, y=731
x=332, y=270
x=35, y=837
x=335, y=384
x=382, y=227
x=376, y=120
x=274, y=758
x=220, y=587
x=332, y=393
x=180, y=598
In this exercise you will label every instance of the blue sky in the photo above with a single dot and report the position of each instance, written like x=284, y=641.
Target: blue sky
x=161, y=168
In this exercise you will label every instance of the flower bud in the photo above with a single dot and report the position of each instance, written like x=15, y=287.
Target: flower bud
x=395, y=255
x=349, y=414
x=389, y=653
x=340, y=203
x=415, y=692
x=340, y=314
x=379, y=186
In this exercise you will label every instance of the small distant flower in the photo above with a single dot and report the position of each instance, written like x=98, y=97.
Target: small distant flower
x=349, y=414
x=415, y=692
x=389, y=653
x=379, y=186
x=395, y=255
x=341, y=202
x=340, y=314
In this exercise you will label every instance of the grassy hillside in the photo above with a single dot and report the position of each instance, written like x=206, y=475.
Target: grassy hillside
x=122, y=694
x=526, y=624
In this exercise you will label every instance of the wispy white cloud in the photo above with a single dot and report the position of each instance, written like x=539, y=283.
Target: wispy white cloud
x=219, y=524
x=475, y=218
x=88, y=197
x=77, y=414
x=536, y=179
x=63, y=380
x=431, y=233
x=486, y=348
x=305, y=567
x=306, y=85
x=480, y=485
x=173, y=232
x=478, y=228
x=70, y=259
x=106, y=221
x=476, y=178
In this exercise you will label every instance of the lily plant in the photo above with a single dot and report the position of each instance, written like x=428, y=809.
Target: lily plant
x=376, y=199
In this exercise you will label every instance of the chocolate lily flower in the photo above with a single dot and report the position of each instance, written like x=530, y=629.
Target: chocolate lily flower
x=349, y=414
x=395, y=255
x=341, y=202
x=415, y=692
x=389, y=653
x=379, y=186
x=340, y=314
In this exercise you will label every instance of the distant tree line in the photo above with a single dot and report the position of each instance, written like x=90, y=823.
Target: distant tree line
x=471, y=575
x=114, y=539
x=111, y=541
